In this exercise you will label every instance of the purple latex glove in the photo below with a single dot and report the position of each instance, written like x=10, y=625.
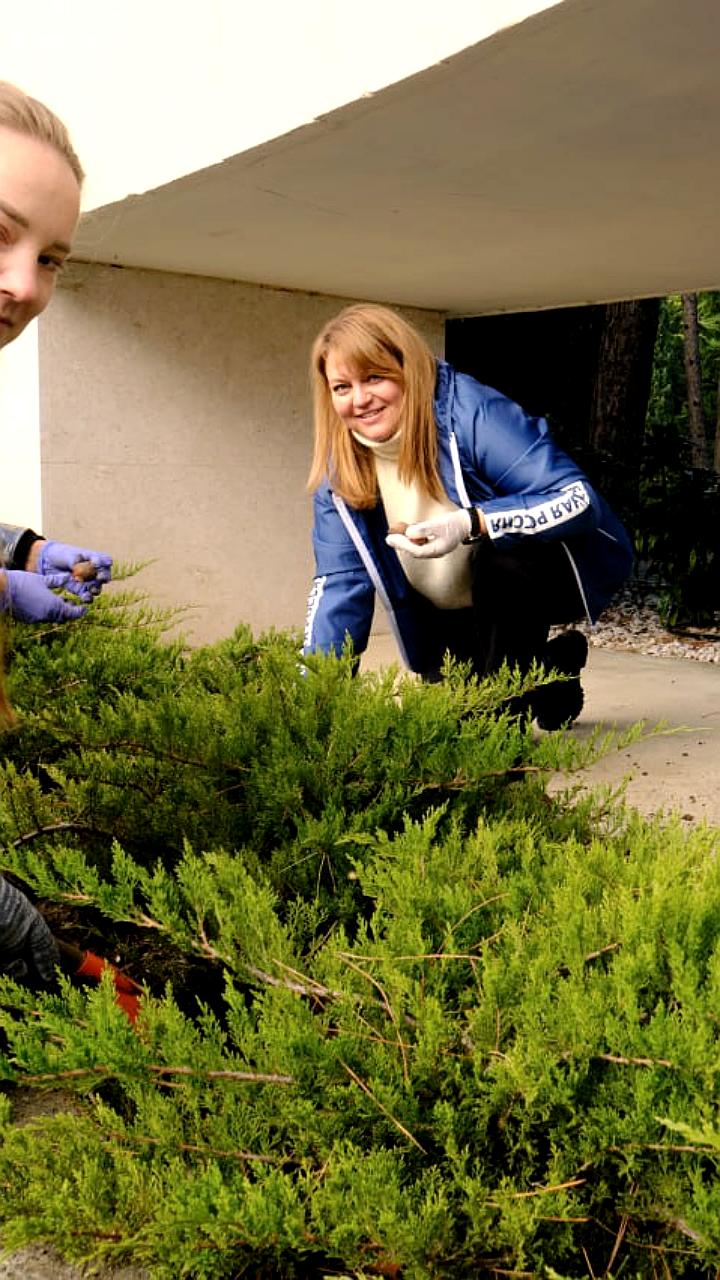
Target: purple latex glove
x=28, y=597
x=58, y=558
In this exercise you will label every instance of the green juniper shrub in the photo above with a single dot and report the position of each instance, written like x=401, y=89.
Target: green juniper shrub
x=406, y=1016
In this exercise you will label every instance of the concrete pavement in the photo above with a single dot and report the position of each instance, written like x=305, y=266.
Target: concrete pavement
x=677, y=770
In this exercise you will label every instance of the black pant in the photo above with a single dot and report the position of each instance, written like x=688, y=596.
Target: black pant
x=518, y=594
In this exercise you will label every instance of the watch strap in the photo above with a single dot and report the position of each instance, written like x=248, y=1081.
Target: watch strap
x=475, y=533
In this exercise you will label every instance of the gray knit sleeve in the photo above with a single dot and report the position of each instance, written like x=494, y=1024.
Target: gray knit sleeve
x=27, y=948
x=15, y=542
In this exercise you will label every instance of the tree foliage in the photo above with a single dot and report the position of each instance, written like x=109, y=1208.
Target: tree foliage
x=406, y=1016
x=678, y=522
x=587, y=369
x=668, y=405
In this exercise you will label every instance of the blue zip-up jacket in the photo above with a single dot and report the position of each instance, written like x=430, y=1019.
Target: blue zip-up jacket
x=490, y=455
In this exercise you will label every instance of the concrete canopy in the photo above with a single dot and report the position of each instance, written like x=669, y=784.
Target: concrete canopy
x=572, y=158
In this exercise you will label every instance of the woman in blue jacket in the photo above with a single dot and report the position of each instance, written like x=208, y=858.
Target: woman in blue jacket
x=455, y=508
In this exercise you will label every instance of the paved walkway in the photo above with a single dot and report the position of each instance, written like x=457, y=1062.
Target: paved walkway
x=678, y=770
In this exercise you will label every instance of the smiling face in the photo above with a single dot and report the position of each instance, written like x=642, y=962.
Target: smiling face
x=39, y=207
x=369, y=403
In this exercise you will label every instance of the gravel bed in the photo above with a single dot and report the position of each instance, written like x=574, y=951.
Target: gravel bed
x=633, y=624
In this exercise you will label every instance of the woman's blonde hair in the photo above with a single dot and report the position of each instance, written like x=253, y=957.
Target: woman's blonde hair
x=23, y=114
x=373, y=339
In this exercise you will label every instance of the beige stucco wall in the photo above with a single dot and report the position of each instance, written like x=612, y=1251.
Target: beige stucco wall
x=176, y=428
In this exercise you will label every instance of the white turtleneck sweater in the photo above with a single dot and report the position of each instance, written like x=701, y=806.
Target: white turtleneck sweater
x=444, y=581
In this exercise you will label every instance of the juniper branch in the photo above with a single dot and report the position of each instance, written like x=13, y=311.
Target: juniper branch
x=385, y=1004
x=393, y=1119
x=634, y=1062
x=100, y=1069
x=198, y=1148
x=541, y=1191
x=52, y=827
x=308, y=987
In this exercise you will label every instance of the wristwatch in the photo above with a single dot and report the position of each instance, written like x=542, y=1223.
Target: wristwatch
x=475, y=533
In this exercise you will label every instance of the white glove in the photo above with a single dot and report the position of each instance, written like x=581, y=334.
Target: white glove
x=438, y=536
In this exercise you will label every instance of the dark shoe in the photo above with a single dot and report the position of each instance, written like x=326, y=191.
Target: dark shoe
x=558, y=704
x=561, y=702
x=566, y=653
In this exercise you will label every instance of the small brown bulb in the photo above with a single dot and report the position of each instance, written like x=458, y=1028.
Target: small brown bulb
x=401, y=527
x=84, y=571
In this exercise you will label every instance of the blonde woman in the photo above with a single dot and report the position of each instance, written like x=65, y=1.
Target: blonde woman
x=445, y=500
x=40, y=179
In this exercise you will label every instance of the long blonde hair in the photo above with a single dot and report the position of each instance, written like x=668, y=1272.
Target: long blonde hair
x=23, y=114
x=373, y=339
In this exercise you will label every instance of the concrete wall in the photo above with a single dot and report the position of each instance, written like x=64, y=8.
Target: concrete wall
x=176, y=427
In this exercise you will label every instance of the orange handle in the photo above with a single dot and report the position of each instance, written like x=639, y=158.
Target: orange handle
x=127, y=992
